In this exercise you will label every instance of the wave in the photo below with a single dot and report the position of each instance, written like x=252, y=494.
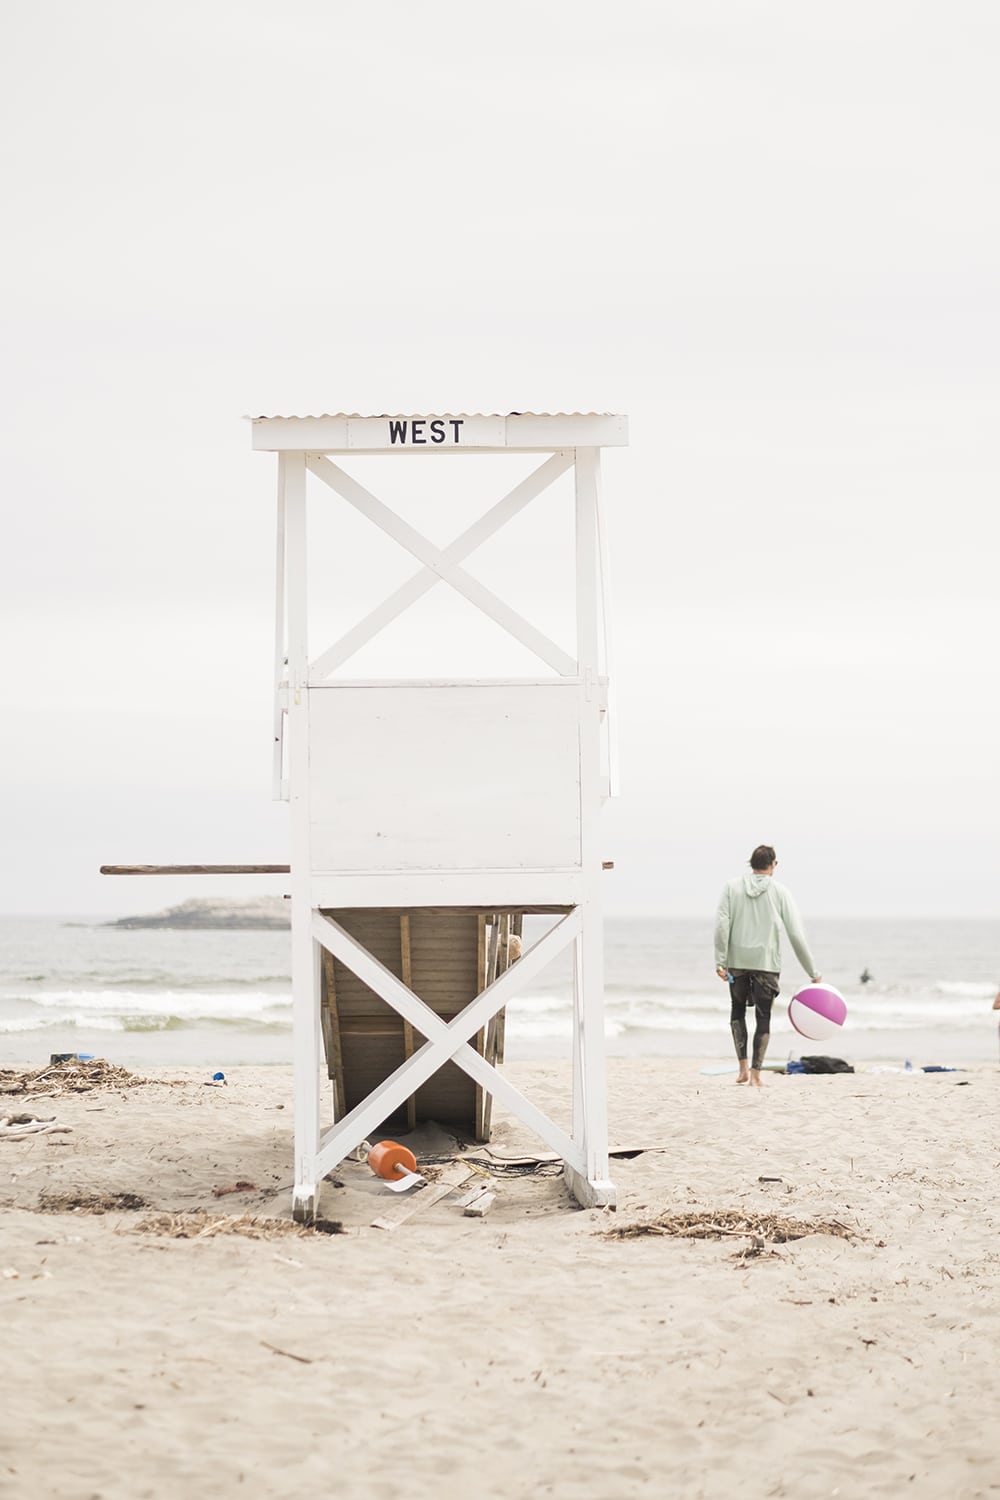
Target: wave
x=194, y=1004
x=549, y=1024
x=554, y=1026
x=165, y=980
x=948, y=1006
x=964, y=990
x=138, y=1023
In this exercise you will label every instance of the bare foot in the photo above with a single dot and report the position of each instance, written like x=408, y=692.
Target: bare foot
x=744, y=1076
x=755, y=1078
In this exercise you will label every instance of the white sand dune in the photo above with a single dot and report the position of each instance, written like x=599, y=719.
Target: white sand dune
x=526, y=1354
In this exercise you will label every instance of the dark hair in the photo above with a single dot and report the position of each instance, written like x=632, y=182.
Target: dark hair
x=763, y=857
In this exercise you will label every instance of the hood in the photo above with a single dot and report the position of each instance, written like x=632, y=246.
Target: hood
x=755, y=884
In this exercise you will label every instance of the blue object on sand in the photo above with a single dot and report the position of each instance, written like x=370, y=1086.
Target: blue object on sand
x=85, y=1057
x=218, y=1077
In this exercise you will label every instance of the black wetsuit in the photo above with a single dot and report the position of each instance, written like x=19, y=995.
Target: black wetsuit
x=759, y=988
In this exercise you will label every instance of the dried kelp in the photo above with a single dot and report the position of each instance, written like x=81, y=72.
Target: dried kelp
x=722, y=1224
x=72, y=1076
x=51, y=1202
x=198, y=1224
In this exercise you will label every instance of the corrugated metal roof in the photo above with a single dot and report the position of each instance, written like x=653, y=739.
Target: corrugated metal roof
x=354, y=416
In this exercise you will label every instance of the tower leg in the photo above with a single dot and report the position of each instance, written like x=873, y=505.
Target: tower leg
x=590, y=1117
x=306, y=1000
x=590, y=1121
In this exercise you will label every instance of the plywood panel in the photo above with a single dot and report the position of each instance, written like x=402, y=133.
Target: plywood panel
x=443, y=967
x=444, y=953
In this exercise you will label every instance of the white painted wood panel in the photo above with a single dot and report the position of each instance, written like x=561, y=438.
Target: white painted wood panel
x=484, y=889
x=426, y=778
x=426, y=432
x=517, y=432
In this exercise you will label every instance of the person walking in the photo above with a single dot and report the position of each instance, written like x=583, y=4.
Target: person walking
x=753, y=909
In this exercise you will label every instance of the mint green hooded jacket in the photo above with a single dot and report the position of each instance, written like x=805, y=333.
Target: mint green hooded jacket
x=752, y=911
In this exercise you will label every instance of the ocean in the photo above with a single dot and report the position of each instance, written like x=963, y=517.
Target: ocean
x=216, y=999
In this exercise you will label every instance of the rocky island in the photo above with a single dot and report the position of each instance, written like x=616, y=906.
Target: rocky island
x=214, y=912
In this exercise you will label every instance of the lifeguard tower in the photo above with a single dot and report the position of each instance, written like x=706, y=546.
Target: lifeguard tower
x=428, y=815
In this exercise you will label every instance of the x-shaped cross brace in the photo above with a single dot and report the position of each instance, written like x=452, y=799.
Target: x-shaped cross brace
x=445, y=1041
x=441, y=564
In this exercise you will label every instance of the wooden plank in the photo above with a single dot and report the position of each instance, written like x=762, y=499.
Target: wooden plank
x=500, y=1038
x=406, y=974
x=332, y=1037
x=516, y=931
x=444, y=960
x=196, y=869
x=481, y=954
x=480, y=1206
x=482, y=1186
x=544, y=889
x=489, y=1045
x=326, y=1026
x=496, y=1028
x=384, y=1026
x=451, y=1178
x=480, y=1039
x=493, y=949
x=516, y=913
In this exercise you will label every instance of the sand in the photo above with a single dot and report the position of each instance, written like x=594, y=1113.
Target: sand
x=527, y=1353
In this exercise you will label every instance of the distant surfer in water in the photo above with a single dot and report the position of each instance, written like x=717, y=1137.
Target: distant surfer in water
x=753, y=909
x=866, y=978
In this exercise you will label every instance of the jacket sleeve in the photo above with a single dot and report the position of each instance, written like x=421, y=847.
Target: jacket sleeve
x=796, y=935
x=723, y=922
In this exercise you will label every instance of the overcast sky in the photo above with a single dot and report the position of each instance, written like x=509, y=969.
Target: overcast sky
x=767, y=232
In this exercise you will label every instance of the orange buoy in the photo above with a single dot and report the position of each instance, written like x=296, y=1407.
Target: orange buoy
x=385, y=1158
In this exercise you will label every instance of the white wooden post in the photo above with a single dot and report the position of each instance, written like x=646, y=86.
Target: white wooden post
x=595, y=1188
x=278, y=791
x=579, y=1130
x=607, y=640
x=305, y=953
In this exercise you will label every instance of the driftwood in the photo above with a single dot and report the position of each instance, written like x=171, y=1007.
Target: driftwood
x=301, y=1358
x=15, y=1125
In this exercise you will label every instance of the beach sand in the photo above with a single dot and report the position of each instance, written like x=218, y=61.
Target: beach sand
x=526, y=1353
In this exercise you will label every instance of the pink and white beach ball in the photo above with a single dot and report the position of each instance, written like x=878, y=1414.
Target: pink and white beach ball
x=817, y=1011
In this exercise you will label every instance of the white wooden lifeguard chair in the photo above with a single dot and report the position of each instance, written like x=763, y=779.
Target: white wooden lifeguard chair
x=426, y=795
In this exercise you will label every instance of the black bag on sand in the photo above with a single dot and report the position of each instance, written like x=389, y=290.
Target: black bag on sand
x=826, y=1065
